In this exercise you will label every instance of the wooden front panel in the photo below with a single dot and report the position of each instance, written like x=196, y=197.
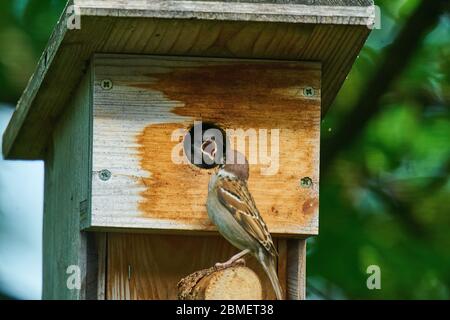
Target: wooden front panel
x=148, y=267
x=136, y=130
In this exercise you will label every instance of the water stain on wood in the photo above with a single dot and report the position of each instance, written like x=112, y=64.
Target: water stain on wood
x=242, y=95
x=310, y=206
x=233, y=96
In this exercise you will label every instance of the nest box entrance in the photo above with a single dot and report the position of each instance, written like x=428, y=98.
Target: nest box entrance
x=114, y=98
x=141, y=121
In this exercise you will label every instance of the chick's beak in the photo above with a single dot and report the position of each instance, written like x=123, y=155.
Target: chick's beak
x=209, y=149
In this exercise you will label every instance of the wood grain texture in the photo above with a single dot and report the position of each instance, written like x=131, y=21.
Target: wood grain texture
x=282, y=263
x=267, y=11
x=296, y=269
x=332, y=35
x=363, y=3
x=96, y=275
x=148, y=267
x=153, y=97
x=102, y=263
x=67, y=175
x=233, y=283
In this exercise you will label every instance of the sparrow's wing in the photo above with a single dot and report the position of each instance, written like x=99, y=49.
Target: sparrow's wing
x=233, y=194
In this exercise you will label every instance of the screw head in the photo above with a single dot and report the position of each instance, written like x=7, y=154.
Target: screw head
x=104, y=175
x=309, y=92
x=106, y=84
x=306, y=182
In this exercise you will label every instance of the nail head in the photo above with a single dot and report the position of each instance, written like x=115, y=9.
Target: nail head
x=106, y=84
x=104, y=175
x=309, y=92
x=306, y=182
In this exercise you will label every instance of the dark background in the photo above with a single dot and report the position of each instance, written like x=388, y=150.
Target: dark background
x=385, y=190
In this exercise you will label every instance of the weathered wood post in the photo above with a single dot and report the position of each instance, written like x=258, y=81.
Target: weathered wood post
x=112, y=97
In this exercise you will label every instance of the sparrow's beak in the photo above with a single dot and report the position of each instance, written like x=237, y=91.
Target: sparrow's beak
x=209, y=149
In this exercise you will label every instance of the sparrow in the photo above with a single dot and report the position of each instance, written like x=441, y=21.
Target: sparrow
x=232, y=209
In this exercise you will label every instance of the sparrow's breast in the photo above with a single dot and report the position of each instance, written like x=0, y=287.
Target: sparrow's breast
x=227, y=225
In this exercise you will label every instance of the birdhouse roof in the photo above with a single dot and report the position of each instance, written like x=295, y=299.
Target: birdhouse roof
x=328, y=31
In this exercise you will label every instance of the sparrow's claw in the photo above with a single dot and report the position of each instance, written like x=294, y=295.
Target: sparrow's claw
x=236, y=259
x=240, y=262
x=230, y=263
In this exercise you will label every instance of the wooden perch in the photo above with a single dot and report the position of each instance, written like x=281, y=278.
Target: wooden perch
x=233, y=283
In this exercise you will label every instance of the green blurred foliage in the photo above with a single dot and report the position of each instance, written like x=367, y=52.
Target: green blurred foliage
x=384, y=201
x=396, y=172
x=25, y=26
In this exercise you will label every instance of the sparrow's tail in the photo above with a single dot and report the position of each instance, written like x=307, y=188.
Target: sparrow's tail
x=269, y=266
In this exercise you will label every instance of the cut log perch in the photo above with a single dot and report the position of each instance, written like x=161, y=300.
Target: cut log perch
x=233, y=283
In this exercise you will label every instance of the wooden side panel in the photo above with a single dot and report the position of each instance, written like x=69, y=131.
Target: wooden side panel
x=140, y=122
x=148, y=267
x=100, y=274
x=282, y=263
x=296, y=269
x=67, y=175
x=96, y=266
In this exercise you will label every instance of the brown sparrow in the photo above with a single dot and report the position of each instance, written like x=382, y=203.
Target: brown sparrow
x=232, y=209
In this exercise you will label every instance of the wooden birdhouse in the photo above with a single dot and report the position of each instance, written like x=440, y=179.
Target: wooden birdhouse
x=120, y=87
